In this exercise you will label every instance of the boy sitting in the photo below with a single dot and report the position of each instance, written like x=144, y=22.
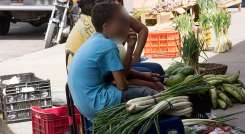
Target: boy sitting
x=97, y=58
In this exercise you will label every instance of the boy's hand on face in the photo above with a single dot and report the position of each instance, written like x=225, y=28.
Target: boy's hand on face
x=132, y=39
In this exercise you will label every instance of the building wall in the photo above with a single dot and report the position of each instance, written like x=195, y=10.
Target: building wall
x=131, y=4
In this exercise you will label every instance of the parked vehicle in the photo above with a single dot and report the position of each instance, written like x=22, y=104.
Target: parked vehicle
x=63, y=17
x=35, y=12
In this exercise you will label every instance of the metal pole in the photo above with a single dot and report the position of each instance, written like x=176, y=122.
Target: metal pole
x=71, y=110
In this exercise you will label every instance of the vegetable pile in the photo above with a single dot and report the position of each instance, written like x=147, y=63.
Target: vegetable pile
x=177, y=72
x=138, y=115
x=208, y=126
x=212, y=126
x=225, y=89
x=213, y=17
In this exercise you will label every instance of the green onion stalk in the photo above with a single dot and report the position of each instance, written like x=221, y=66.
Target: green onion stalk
x=206, y=10
x=192, y=45
x=117, y=119
x=191, y=49
x=205, y=26
x=183, y=24
x=221, y=21
x=205, y=6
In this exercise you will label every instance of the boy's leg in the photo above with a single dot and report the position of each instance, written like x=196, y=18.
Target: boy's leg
x=153, y=67
x=137, y=91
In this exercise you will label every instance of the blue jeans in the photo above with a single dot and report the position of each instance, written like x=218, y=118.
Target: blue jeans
x=149, y=67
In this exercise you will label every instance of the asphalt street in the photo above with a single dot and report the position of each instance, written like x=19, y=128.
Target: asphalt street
x=22, y=39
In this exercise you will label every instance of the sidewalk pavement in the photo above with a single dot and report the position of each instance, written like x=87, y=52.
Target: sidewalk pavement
x=50, y=64
x=46, y=64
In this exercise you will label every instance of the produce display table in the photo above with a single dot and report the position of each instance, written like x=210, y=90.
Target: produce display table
x=228, y=3
x=153, y=18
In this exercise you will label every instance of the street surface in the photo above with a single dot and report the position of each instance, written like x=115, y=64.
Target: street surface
x=22, y=39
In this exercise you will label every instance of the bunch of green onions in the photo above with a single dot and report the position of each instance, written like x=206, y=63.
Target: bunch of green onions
x=191, y=49
x=138, y=115
x=183, y=24
x=205, y=5
x=221, y=21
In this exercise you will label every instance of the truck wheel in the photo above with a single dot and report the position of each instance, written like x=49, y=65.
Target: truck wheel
x=4, y=25
x=52, y=33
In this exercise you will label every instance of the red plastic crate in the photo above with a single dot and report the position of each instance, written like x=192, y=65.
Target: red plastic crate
x=162, y=44
x=52, y=120
x=163, y=55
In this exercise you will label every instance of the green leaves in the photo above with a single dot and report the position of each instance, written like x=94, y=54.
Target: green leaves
x=221, y=21
x=183, y=24
x=206, y=5
x=204, y=21
x=191, y=49
x=117, y=120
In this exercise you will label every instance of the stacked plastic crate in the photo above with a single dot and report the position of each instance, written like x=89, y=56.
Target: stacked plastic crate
x=162, y=44
x=53, y=120
x=19, y=92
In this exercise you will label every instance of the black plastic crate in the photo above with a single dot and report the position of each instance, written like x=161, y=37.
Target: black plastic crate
x=201, y=104
x=17, y=99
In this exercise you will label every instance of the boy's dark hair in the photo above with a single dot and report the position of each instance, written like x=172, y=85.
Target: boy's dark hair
x=86, y=6
x=102, y=13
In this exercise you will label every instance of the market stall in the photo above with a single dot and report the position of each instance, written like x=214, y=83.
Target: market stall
x=207, y=18
x=177, y=31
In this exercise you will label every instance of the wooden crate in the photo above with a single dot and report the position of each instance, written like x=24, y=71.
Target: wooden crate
x=228, y=3
x=160, y=18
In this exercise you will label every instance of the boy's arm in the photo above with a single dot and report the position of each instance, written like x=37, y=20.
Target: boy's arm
x=142, y=31
x=120, y=80
x=132, y=38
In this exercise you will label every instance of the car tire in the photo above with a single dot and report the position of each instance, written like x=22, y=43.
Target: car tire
x=52, y=33
x=4, y=25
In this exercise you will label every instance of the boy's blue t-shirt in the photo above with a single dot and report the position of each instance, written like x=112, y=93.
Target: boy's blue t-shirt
x=97, y=57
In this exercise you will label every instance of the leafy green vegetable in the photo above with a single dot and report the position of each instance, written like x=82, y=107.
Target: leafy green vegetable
x=183, y=24
x=116, y=119
x=221, y=21
x=191, y=49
